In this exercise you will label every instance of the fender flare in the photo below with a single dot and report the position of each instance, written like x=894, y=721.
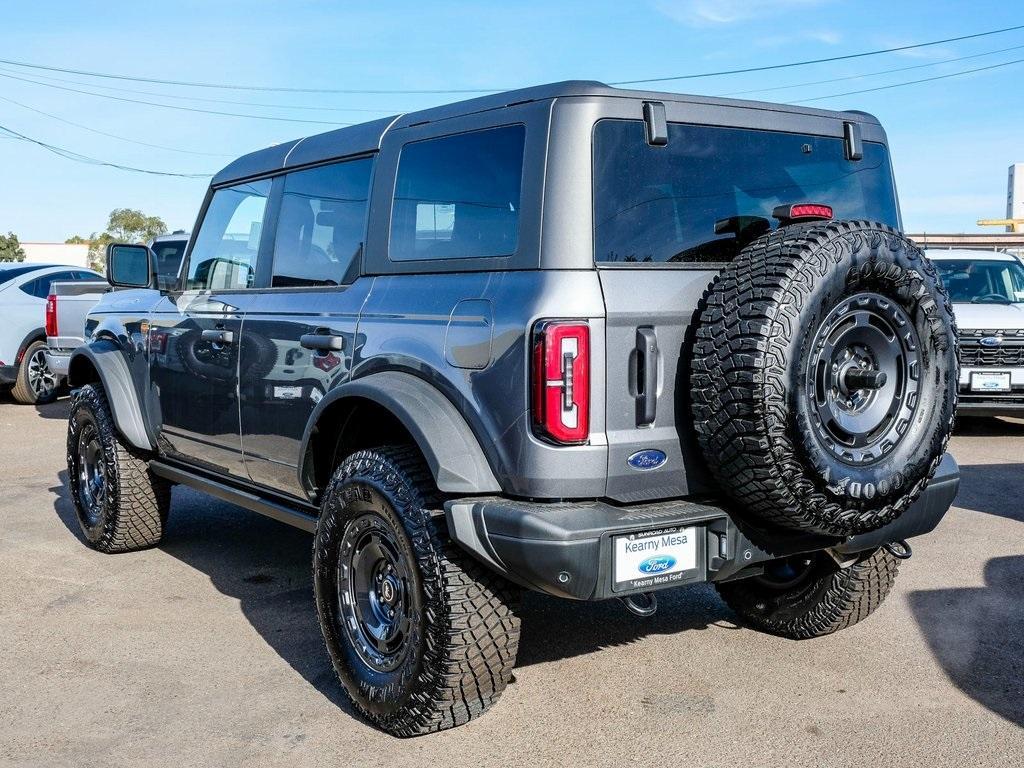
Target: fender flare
x=106, y=358
x=442, y=434
x=36, y=334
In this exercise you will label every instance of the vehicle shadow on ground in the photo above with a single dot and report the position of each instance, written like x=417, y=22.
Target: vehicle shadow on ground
x=985, y=488
x=977, y=635
x=987, y=426
x=266, y=567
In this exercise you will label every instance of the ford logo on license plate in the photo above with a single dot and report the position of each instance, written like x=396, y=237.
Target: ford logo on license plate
x=649, y=459
x=656, y=564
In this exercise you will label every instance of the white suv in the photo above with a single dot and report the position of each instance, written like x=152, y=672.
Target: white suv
x=987, y=289
x=23, y=292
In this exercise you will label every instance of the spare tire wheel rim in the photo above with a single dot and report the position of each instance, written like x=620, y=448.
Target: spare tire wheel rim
x=863, y=377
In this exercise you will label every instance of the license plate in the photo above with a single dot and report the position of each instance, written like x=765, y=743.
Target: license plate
x=653, y=558
x=990, y=382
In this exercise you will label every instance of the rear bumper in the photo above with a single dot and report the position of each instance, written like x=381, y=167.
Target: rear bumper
x=59, y=361
x=8, y=374
x=566, y=548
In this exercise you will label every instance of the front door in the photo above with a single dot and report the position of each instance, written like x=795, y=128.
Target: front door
x=195, y=344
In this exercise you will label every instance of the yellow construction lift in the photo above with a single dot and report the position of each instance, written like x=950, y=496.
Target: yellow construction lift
x=1012, y=225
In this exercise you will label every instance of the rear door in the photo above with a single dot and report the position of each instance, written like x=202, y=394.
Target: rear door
x=667, y=217
x=298, y=340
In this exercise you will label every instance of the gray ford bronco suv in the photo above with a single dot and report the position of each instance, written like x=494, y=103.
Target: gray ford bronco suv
x=585, y=341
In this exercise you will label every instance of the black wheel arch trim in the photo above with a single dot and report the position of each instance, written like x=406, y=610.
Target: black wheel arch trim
x=36, y=334
x=105, y=357
x=443, y=435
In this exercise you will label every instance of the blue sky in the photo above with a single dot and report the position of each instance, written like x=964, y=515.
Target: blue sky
x=951, y=140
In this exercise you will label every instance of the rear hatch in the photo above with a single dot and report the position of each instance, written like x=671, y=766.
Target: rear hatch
x=666, y=220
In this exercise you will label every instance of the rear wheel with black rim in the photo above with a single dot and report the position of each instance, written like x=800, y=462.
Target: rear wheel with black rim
x=36, y=383
x=810, y=595
x=422, y=637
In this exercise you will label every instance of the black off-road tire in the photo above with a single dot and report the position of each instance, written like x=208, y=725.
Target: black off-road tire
x=761, y=339
x=23, y=391
x=463, y=638
x=131, y=511
x=828, y=599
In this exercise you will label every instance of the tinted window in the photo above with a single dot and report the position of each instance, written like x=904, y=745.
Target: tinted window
x=981, y=281
x=40, y=287
x=320, y=227
x=710, y=190
x=168, y=261
x=11, y=272
x=458, y=197
x=224, y=254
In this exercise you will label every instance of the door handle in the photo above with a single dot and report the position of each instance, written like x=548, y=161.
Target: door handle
x=219, y=336
x=323, y=341
x=646, y=376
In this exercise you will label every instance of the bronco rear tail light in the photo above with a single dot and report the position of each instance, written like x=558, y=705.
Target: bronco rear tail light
x=561, y=381
x=51, y=315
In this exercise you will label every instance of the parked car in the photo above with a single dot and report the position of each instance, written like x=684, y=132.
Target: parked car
x=585, y=341
x=23, y=292
x=69, y=302
x=987, y=290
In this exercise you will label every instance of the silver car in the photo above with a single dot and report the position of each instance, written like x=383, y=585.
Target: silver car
x=987, y=290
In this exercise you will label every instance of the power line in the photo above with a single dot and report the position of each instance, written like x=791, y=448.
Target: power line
x=173, y=106
x=110, y=135
x=871, y=74
x=283, y=89
x=861, y=55
x=206, y=100
x=80, y=158
x=911, y=82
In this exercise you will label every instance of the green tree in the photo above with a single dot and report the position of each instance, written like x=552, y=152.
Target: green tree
x=127, y=225
x=124, y=225
x=10, y=248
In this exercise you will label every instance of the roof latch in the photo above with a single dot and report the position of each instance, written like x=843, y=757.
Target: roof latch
x=851, y=138
x=656, y=122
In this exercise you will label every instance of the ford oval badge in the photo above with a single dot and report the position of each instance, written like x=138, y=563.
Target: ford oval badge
x=648, y=459
x=991, y=341
x=657, y=564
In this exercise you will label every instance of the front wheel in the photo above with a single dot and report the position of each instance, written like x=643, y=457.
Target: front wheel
x=422, y=637
x=121, y=505
x=809, y=595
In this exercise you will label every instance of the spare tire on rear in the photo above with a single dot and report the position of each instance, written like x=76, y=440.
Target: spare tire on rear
x=824, y=377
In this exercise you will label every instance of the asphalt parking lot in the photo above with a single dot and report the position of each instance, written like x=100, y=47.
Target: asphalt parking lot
x=206, y=651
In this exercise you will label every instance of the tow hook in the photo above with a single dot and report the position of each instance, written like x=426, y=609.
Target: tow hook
x=898, y=549
x=644, y=607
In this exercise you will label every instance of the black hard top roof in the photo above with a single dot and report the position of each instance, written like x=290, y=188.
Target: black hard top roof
x=366, y=137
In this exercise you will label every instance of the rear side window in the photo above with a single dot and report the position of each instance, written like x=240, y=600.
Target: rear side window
x=40, y=287
x=711, y=190
x=224, y=254
x=458, y=197
x=321, y=224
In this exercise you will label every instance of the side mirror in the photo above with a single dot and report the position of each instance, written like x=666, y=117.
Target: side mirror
x=129, y=266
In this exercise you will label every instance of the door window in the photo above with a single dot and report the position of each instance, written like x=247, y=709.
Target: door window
x=40, y=287
x=321, y=224
x=457, y=197
x=224, y=254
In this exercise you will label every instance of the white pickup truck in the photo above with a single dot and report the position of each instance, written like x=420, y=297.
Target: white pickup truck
x=70, y=302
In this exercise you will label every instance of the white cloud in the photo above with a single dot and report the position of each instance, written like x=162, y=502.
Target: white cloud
x=823, y=36
x=703, y=13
